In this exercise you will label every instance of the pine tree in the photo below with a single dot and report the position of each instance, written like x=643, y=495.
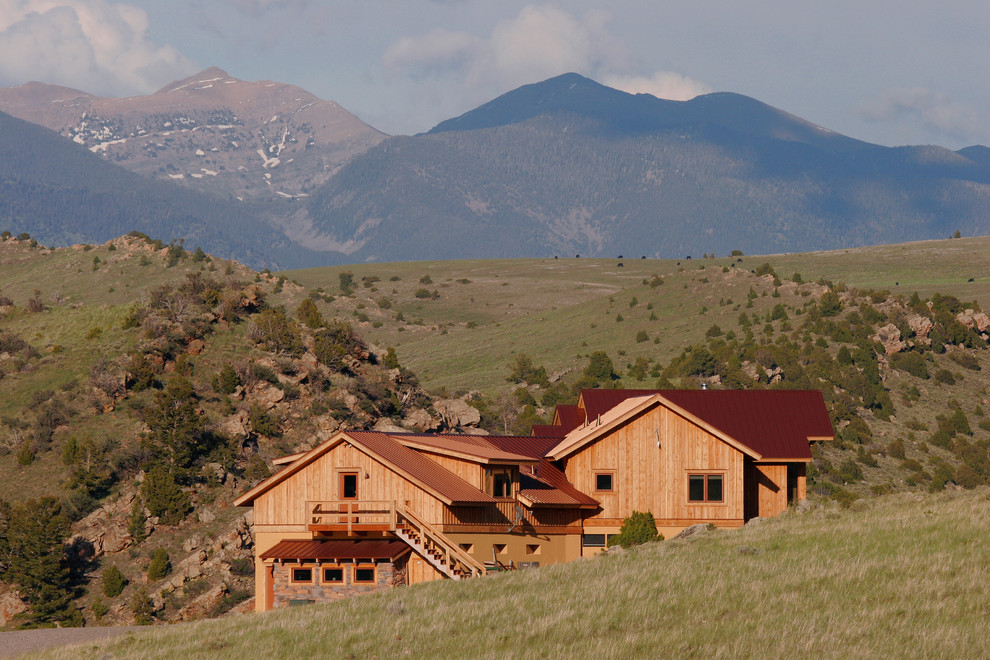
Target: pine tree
x=36, y=560
x=176, y=425
x=136, y=522
x=163, y=497
x=160, y=565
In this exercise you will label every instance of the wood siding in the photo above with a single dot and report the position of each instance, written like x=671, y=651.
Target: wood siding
x=655, y=479
x=285, y=503
x=473, y=473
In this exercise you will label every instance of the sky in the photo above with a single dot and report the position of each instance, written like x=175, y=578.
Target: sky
x=885, y=71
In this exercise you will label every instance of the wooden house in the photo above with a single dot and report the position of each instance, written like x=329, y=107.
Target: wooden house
x=366, y=510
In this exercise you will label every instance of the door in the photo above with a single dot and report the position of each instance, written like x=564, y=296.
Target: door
x=348, y=492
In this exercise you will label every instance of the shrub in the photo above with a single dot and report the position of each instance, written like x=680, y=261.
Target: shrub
x=637, y=529
x=896, y=449
x=965, y=360
x=945, y=376
x=160, y=565
x=263, y=423
x=226, y=380
x=242, y=567
x=113, y=582
x=99, y=608
x=912, y=363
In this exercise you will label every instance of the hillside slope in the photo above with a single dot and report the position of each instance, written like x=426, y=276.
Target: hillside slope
x=142, y=388
x=894, y=578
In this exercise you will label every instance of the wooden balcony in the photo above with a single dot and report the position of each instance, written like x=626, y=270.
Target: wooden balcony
x=352, y=516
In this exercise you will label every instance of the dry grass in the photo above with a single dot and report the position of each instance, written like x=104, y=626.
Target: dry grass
x=900, y=576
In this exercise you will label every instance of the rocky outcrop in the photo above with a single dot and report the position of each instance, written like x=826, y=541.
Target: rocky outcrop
x=921, y=326
x=974, y=320
x=105, y=530
x=890, y=337
x=10, y=604
x=457, y=414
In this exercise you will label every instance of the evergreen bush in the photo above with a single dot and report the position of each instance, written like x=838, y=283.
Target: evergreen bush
x=637, y=529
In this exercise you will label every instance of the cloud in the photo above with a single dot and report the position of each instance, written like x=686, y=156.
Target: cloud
x=437, y=51
x=662, y=84
x=540, y=42
x=935, y=111
x=93, y=45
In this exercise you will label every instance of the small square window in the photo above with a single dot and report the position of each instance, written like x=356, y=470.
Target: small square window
x=533, y=549
x=499, y=548
x=364, y=575
x=302, y=574
x=333, y=575
x=466, y=547
x=603, y=481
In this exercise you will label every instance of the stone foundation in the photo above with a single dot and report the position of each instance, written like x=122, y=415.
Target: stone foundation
x=288, y=591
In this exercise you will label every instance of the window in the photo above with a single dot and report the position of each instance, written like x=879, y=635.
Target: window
x=593, y=540
x=704, y=487
x=333, y=576
x=466, y=547
x=533, y=549
x=603, y=482
x=500, y=482
x=302, y=574
x=499, y=548
x=364, y=575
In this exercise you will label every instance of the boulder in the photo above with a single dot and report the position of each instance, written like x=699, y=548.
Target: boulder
x=267, y=395
x=10, y=604
x=235, y=425
x=456, y=413
x=694, y=530
x=974, y=320
x=890, y=337
x=921, y=326
x=420, y=420
x=385, y=425
x=195, y=347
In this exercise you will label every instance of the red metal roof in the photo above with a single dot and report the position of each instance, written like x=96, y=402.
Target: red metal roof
x=548, y=431
x=776, y=424
x=569, y=417
x=598, y=402
x=420, y=468
x=545, y=484
x=336, y=550
x=531, y=446
x=467, y=445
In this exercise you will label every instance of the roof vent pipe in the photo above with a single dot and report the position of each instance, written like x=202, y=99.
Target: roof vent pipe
x=704, y=386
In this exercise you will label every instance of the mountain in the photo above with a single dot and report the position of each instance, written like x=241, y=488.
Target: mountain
x=61, y=193
x=210, y=131
x=561, y=167
x=569, y=166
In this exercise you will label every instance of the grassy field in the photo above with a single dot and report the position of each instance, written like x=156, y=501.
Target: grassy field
x=896, y=576
x=560, y=310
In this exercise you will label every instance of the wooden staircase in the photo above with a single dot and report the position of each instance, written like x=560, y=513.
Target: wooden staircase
x=431, y=544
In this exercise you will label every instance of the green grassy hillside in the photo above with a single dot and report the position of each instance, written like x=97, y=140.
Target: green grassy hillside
x=899, y=576
x=559, y=309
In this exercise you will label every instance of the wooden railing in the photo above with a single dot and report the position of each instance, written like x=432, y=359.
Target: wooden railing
x=352, y=513
x=434, y=542
x=504, y=514
x=388, y=515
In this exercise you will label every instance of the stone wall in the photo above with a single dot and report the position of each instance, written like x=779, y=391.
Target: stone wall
x=387, y=575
